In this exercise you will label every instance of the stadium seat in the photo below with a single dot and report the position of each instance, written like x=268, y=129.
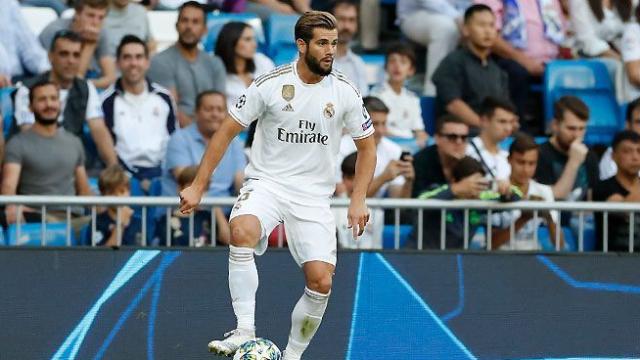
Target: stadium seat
x=548, y=244
x=427, y=104
x=589, y=80
x=280, y=35
x=388, y=236
x=284, y=55
x=163, y=29
x=215, y=22
x=30, y=235
x=2, y=239
x=375, y=68
x=6, y=109
x=38, y=18
x=407, y=144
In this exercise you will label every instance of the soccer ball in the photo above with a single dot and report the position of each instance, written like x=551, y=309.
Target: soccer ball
x=258, y=349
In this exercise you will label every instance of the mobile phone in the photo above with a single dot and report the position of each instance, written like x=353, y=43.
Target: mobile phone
x=405, y=155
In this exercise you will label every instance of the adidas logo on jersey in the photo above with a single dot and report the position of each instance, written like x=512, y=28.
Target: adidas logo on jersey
x=288, y=107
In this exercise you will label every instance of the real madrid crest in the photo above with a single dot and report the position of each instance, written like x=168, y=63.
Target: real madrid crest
x=329, y=111
x=288, y=92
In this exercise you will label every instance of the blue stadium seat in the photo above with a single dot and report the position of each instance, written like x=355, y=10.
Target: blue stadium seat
x=285, y=54
x=6, y=108
x=2, y=239
x=388, y=235
x=280, y=34
x=427, y=103
x=548, y=244
x=56, y=235
x=407, y=144
x=590, y=81
x=215, y=22
x=374, y=67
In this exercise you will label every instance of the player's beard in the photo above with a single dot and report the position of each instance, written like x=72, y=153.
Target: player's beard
x=314, y=65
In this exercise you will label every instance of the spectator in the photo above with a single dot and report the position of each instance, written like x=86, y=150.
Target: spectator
x=43, y=160
x=624, y=186
x=598, y=26
x=185, y=69
x=630, y=51
x=265, y=8
x=57, y=5
x=608, y=167
x=405, y=113
x=497, y=122
x=96, y=58
x=186, y=147
x=114, y=181
x=434, y=24
x=236, y=47
x=139, y=114
x=565, y=163
x=370, y=24
x=523, y=158
x=79, y=98
x=346, y=12
x=126, y=17
x=20, y=51
x=179, y=222
x=394, y=173
x=468, y=75
x=372, y=236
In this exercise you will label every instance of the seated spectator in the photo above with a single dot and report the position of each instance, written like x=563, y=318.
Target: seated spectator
x=236, y=47
x=44, y=160
x=630, y=52
x=265, y=8
x=394, y=173
x=523, y=159
x=79, y=98
x=624, y=186
x=179, y=222
x=20, y=51
x=187, y=146
x=434, y=24
x=405, y=113
x=497, y=122
x=183, y=68
x=372, y=236
x=96, y=58
x=127, y=17
x=352, y=65
x=469, y=74
x=57, y=5
x=113, y=181
x=139, y=114
x=607, y=166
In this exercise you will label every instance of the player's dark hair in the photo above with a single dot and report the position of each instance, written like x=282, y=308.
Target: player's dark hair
x=336, y=3
x=348, y=166
x=570, y=103
x=635, y=104
x=466, y=167
x=312, y=20
x=473, y=9
x=625, y=135
x=192, y=4
x=131, y=39
x=522, y=143
x=374, y=104
x=37, y=85
x=200, y=97
x=400, y=48
x=111, y=179
x=448, y=119
x=96, y=4
x=491, y=103
x=228, y=38
x=66, y=35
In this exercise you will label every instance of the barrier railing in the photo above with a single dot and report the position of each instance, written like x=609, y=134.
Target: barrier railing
x=491, y=208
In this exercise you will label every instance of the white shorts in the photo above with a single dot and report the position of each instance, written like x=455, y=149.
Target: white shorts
x=310, y=229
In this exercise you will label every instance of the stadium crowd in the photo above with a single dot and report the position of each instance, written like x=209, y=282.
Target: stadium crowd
x=94, y=96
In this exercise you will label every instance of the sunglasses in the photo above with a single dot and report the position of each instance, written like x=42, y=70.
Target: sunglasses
x=455, y=137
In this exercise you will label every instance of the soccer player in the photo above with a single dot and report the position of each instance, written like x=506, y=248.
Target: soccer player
x=302, y=108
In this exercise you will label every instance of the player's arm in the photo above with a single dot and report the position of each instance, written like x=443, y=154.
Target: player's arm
x=365, y=165
x=220, y=140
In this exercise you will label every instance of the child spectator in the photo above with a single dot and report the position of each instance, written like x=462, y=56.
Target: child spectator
x=179, y=222
x=405, y=114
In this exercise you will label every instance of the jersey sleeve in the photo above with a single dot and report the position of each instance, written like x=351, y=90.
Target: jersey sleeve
x=248, y=106
x=356, y=119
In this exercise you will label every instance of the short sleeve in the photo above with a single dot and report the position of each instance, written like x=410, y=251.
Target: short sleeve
x=356, y=118
x=104, y=49
x=249, y=106
x=94, y=106
x=13, y=152
x=416, y=114
x=21, y=107
x=630, y=47
x=448, y=80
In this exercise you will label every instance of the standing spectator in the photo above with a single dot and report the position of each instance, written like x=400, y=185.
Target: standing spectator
x=346, y=12
x=20, y=51
x=264, y=8
x=608, y=167
x=79, y=98
x=468, y=75
x=128, y=18
x=624, y=186
x=57, y=5
x=394, y=173
x=497, y=122
x=434, y=24
x=139, y=114
x=186, y=147
x=523, y=159
x=44, y=160
x=185, y=69
x=405, y=113
x=96, y=58
x=236, y=47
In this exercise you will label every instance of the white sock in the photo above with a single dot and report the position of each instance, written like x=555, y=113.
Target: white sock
x=305, y=320
x=243, y=284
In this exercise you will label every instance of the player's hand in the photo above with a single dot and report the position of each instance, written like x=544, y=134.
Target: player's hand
x=189, y=199
x=407, y=170
x=392, y=170
x=358, y=217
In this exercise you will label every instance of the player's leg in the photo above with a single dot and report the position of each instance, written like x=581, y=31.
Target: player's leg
x=308, y=312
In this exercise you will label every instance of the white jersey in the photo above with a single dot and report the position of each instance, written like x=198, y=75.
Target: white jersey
x=299, y=128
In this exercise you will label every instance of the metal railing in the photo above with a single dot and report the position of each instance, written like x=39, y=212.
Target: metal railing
x=170, y=203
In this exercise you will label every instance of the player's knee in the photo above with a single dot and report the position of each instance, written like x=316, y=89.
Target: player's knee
x=242, y=236
x=321, y=284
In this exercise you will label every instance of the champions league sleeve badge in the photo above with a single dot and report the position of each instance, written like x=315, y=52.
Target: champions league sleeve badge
x=329, y=111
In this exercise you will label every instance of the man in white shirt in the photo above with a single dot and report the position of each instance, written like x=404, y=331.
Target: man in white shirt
x=352, y=65
x=608, y=167
x=497, y=121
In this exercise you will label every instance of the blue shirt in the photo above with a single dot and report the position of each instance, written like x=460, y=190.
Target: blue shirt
x=186, y=147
